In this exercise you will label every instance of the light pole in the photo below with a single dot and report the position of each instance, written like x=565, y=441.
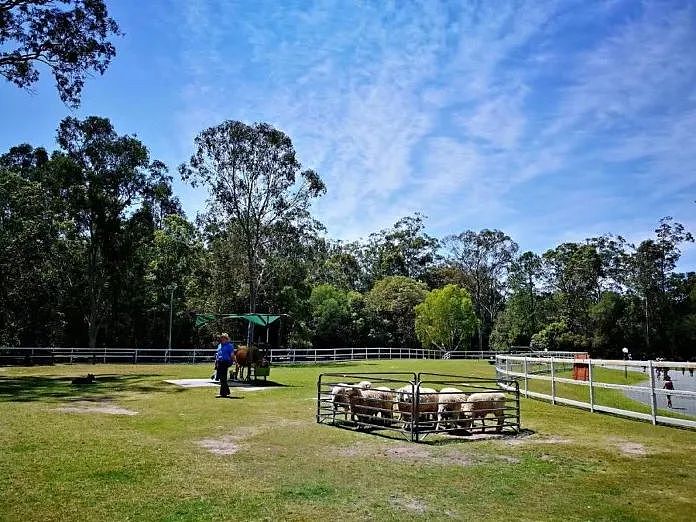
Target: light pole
x=171, y=313
x=625, y=354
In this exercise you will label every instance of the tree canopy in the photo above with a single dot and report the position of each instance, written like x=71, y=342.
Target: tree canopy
x=446, y=318
x=94, y=246
x=69, y=37
x=256, y=185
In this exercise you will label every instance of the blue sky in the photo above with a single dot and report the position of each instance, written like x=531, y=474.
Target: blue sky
x=553, y=121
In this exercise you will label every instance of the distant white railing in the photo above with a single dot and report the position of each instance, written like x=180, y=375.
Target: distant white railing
x=35, y=355
x=544, y=367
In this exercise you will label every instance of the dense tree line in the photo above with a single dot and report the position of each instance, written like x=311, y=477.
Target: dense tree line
x=95, y=249
x=94, y=246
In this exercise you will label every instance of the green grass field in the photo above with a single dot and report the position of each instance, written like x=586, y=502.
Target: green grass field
x=158, y=465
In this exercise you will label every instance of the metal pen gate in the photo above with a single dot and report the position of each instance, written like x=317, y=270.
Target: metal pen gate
x=342, y=399
x=418, y=405
x=465, y=405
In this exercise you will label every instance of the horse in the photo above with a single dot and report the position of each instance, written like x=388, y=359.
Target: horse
x=246, y=357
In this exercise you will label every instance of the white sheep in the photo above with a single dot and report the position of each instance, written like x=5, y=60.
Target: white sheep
x=341, y=397
x=449, y=406
x=427, y=403
x=370, y=402
x=481, y=404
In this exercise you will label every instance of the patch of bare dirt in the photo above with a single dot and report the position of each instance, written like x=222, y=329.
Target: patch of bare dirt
x=422, y=454
x=531, y=439
x=633, y=449
x=231, y=443
x=96, y=407
x=411, y=452
x=357, y=450
x=223, y=446
x=412, y=505
x=479, y=436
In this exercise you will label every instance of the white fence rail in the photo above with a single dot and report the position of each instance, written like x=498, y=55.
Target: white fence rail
x=10, y=355
x=545, y=368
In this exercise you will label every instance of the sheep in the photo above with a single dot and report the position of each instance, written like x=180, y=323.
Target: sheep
x=369, y=402
x=481, y=404
x=427, y=403
x=449, y=407
x=341, y=397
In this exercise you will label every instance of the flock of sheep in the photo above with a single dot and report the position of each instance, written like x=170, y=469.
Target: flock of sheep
x=449, y=408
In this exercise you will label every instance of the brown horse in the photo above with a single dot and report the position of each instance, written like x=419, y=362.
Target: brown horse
x=246, y=357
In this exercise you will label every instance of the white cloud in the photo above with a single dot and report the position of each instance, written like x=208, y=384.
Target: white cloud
x=458, y=109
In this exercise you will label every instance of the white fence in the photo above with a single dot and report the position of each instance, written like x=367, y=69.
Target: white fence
x=545, y=368
x=9, y=356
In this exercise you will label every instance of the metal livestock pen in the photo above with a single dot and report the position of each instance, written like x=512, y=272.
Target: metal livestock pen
x=414, y=404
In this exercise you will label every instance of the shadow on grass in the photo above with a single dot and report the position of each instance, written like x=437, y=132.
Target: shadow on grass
x=463, y=436
x=458, y=437
x=258, y=384
x=31, y=388
x=339, y=364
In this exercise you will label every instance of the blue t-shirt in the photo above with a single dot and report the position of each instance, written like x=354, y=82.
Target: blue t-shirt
x=224, y=352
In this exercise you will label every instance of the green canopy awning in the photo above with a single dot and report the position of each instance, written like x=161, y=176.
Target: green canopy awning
x=203, y=319
x=259, y=319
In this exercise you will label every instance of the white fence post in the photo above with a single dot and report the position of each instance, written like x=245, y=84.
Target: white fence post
x=526, y=379
x=653, y=399
x=589, y=374
x=553, y=383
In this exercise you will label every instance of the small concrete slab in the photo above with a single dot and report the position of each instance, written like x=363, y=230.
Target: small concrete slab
x=207, y=383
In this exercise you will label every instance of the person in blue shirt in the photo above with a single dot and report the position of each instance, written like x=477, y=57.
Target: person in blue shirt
x=223, y=361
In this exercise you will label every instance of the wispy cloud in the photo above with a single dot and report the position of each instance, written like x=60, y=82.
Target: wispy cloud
x=496, y=114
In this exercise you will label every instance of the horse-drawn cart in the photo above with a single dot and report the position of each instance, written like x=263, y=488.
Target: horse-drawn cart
x=252, y=358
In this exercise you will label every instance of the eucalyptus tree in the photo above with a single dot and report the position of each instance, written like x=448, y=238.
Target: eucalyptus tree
x=341, y=266
x=107, y=175
x=402, y=250
x=526, y=307
x=525, y=277
x=253, y=178
x=69, y=37
x=650, y=267
x=573, y=272
x=30, y=275
x=484, y=259
x=330, y=309
x=391, y=302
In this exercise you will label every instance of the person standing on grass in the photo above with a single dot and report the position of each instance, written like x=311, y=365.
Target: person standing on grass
x=223, y=361
x=669, y=385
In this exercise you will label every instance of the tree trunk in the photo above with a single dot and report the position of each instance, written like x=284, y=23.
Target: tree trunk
x=252, y=295
x=531, y=297
x=647, y=327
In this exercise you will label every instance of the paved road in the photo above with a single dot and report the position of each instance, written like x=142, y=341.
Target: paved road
x=684, y=405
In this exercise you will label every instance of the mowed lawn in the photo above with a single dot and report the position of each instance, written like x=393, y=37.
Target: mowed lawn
x=79, y=464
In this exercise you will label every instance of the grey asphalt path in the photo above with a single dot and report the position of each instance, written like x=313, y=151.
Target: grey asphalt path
x=684, y=382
